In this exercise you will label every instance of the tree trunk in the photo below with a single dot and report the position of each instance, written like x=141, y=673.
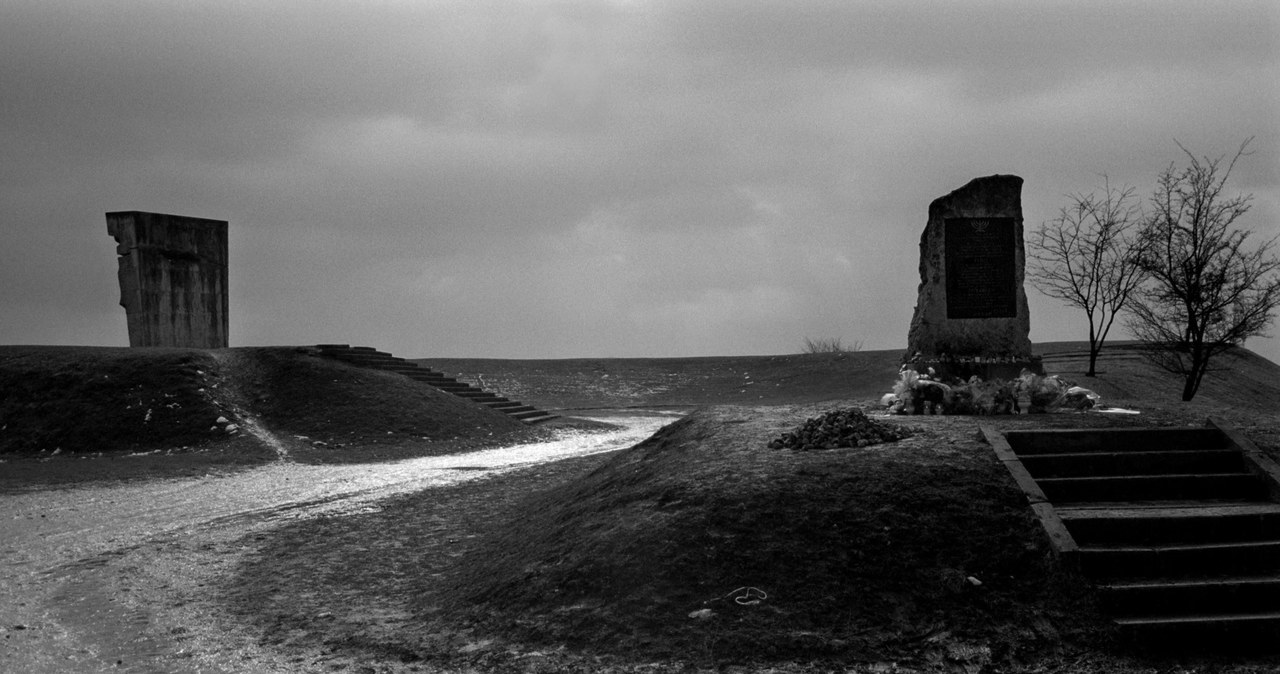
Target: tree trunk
x=1189, y=388
x=1194, y=375
x=1094, y=348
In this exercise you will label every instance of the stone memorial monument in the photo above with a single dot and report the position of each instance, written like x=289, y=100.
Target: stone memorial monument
x=971, y=313
x=173, y=278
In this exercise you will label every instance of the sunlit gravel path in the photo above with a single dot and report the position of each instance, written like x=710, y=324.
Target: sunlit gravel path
x=42, y=534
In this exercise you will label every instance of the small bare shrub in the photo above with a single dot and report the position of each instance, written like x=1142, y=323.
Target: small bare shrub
x=829, y=345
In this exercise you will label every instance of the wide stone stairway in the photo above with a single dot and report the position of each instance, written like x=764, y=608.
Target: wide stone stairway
x=1178, y=528
x=366, y=356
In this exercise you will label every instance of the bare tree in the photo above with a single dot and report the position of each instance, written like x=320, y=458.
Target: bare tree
x=1085, y=256
x=1209, y=290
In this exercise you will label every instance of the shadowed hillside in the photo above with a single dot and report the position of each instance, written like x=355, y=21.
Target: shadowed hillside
x=96, y=399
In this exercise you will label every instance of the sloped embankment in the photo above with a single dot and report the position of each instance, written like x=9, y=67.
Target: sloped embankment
x=862, y=553
x=101, y=399
x=295, y=391
x=96, y=399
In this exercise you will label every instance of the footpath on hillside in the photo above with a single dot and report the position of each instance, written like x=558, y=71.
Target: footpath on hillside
x=64, y=549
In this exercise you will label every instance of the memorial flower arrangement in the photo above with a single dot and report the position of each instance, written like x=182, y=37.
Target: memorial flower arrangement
x=917, y=393
x=1053, y=392
x=923, y=393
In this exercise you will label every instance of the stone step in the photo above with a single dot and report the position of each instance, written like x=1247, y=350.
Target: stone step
x=1232, y=486
x=530, y=415
x=433, y=378
x=1267, y=619
x=1027, y=443
x=1177, y=526
x=474, y=393
x=1236, y=558
x=1200, y=633
x=1172, y=524
x=372, y=358
x=368, y=357
x=371, y=363
x=423, y=375
x=1100, y=464
x=451, y=386
x=1164, y=599
x=407, y=366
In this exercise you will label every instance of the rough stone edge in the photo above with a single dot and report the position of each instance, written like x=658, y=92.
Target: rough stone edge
x=1064, y=545
x=1258, y=462
x=938, y=212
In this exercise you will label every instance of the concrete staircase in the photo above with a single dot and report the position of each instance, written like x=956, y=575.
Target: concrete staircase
x=366, y=356
x=1178, y=528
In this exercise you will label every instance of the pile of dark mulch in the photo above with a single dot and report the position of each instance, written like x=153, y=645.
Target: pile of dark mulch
x=839, y=428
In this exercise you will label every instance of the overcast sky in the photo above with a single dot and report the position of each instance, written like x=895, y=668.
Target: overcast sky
x=564, y=179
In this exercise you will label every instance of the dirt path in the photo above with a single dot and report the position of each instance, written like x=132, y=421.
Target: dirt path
x=86, y=569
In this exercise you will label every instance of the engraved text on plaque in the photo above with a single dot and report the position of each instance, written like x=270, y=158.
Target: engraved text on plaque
x=981, y=268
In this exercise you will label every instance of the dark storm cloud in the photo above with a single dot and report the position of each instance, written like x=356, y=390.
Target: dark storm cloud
x=1038, y=45
x=586, y=178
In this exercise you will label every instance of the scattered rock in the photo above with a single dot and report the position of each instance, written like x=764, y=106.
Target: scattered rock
x=476, y=646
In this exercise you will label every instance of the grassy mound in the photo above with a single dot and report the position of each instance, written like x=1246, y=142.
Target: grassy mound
x=96, y=399
x=588, y=383
x=88, y=399
x=296, y=392
x=1238, y=378
x=862, y=553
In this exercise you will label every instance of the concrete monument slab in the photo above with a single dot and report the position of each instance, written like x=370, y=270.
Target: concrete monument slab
x=173, y=278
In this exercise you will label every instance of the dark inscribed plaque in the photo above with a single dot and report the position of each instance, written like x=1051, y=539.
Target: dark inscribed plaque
x=980, y=267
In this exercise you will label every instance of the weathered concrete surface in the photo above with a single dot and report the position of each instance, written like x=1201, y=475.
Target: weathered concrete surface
x=173, y=278
x=992, y=321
